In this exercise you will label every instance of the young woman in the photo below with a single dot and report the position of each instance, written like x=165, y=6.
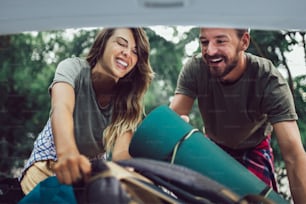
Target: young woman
x=96, y=105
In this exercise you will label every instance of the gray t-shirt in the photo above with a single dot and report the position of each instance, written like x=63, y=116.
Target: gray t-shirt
x=89, y=119
x=238, y=115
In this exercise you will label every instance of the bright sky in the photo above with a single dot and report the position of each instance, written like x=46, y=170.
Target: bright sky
x=296, y=59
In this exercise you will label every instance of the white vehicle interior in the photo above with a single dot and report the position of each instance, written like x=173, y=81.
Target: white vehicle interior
x=28, y=15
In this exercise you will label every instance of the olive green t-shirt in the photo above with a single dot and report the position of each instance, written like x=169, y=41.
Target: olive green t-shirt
x=89, y=119
x=238, y=115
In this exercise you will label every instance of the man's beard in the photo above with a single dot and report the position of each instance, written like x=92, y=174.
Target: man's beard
x=227, y=69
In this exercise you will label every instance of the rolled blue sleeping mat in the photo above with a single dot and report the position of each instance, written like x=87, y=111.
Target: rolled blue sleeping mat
x=164, y=135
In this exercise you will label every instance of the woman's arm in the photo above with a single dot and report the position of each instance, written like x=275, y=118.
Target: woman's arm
x=121, y=147
x=71, y=165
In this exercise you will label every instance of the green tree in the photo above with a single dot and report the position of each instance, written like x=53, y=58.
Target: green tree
x=165, y=59
x=24, y=75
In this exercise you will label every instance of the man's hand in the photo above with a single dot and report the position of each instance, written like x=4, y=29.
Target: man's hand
x=186, y=118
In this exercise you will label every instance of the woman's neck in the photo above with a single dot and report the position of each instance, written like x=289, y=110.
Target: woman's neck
x=104, y=86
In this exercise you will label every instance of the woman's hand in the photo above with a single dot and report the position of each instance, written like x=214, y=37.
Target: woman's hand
x=72, y=167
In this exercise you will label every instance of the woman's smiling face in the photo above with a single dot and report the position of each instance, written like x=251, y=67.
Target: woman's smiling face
x=120, y=55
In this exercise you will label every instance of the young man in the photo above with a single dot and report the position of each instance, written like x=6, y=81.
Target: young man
x=242, y=98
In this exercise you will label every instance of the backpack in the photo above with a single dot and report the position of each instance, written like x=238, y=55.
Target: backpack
x=138, y=181
x=10, y=190
x=142, y=180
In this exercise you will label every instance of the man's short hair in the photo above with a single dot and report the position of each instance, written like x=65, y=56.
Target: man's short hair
x=241, y=31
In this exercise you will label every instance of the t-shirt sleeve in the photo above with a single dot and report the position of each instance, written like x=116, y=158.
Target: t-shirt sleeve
x=187, y=82
x=278, y=101
x=67, y=71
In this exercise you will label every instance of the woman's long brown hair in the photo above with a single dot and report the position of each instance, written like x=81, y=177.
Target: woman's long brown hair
x=128, y=107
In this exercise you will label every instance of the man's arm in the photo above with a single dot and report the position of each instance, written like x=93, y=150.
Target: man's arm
x=182, y=104
x=293, y=153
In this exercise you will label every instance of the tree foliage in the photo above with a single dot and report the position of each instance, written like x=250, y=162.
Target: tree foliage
x=18, y=72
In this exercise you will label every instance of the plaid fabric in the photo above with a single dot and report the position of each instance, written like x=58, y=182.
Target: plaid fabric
x=44, y=148
x=258, y=160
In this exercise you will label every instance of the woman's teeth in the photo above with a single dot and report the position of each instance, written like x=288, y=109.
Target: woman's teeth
x=123, y=63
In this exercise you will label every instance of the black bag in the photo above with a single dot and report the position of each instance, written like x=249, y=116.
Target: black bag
x=150, y=181
x=10, y=191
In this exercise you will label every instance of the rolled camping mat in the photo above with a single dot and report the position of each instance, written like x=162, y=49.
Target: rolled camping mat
x=164, y=135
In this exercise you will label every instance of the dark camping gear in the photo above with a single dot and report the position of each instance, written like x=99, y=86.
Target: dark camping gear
x=138, y=181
